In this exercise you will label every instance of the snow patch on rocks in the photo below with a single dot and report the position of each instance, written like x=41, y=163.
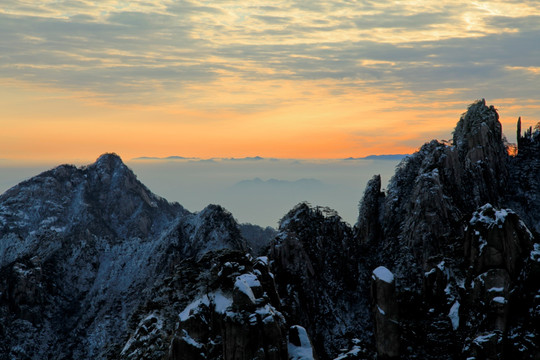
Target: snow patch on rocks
x=383, y=274
x=242, y=284
x=304, y=350
x=489, y=216
x=454, y=315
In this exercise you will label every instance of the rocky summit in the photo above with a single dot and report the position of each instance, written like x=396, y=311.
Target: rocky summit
x=444, y=264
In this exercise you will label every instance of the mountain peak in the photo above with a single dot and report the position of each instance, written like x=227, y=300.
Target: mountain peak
x=479, y=126
x=109, y=161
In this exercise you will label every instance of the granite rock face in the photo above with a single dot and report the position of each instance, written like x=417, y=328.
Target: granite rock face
x=434, y=189
x=368, y=228
x=224, y=305
x=456, y=233
x=318, y=273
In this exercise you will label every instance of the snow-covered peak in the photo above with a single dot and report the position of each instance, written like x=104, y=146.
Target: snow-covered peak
x=213, y=228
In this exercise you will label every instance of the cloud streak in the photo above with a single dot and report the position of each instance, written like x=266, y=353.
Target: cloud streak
x=120, y=51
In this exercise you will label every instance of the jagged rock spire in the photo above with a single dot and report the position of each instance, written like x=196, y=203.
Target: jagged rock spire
x=478, y=134
x=519, y=129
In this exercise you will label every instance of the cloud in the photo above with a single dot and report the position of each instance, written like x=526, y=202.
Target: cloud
x=155, y=52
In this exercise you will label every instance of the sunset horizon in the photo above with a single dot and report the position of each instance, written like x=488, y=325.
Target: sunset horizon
x=85, y=150
x=291, y=80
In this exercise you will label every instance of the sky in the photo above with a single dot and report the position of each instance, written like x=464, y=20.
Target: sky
x=284, y=79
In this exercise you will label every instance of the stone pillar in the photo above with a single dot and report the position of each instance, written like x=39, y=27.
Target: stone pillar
x=385, y=313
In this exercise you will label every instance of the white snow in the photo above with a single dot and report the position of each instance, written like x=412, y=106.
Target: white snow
x=496, y=289
x=304, y=351
x=58, y=229
x=448, y=289
x=190, y=340
x=250, y=279
x=184, y=315
x=427, y=273
x=253, y=319
x=268, y=313
x=383, y=274
x=483, y=243
x=242, y=285
x=499, y=300
x=221, y=302
x=381, y=310
x=454, y=315
x=352, y=353
x=156, y=325
x=263, y=259
x=498, y=218
x=535, y=253
x=441, y=265
x=483, y=338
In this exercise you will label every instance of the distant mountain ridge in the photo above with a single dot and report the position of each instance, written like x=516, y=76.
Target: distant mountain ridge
x=380, y=157
x=256, y=158
x=258, y=183
x=173, y=157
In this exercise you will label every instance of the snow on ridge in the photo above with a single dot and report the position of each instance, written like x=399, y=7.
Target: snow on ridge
x=188, y=339
x=191, y=308
x=221, y=302
x=383, y=274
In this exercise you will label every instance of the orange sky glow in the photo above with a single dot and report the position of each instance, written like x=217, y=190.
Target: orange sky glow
x=287, y=80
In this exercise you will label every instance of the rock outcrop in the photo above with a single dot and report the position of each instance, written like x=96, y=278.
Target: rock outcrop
x=222, y=306
x=368, y=228
x=318, y=274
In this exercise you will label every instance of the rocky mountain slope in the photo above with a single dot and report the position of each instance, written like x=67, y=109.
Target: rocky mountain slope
x=445, y=264
x=458, y=240
x=78, y=247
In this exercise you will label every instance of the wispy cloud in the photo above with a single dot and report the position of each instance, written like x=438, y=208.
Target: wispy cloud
x=146, y=51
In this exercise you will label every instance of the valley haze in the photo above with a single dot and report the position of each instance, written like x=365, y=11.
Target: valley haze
x=254, y=189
